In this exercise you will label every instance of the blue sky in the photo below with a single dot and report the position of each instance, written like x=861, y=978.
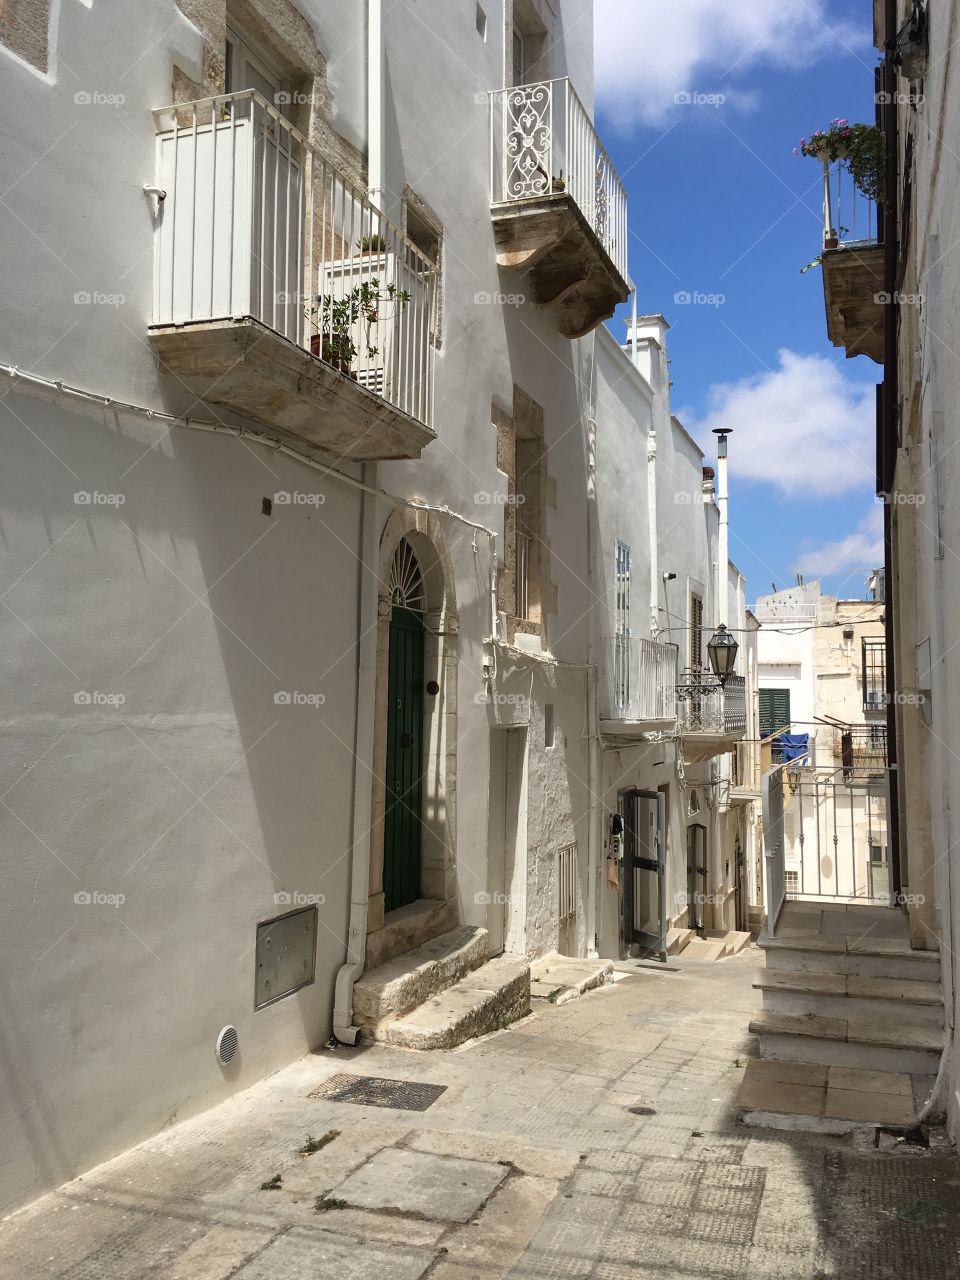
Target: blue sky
x=719, y=206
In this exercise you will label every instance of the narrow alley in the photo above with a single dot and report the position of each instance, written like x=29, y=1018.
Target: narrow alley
x=597, y=1137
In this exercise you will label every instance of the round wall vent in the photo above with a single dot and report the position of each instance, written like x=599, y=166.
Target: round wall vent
x=227, y=1045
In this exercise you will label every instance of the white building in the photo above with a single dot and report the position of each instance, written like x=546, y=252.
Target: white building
x=319, y=473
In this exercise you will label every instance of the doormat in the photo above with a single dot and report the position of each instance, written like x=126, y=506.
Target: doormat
x=374, y=1091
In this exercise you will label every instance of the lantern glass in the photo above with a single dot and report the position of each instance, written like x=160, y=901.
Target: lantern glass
x=722, y=650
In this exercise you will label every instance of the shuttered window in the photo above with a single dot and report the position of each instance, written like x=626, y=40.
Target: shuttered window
x=774, y=711
x=696, y=632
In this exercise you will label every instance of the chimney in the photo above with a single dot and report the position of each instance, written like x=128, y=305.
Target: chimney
x=647, y=347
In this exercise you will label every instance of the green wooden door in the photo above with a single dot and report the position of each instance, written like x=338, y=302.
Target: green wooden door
x=401, y=852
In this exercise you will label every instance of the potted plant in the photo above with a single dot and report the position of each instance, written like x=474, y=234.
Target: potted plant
x=338, y=318
x=372, y=244
x=559, y=183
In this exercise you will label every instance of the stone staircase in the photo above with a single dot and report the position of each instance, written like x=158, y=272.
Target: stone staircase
x=443, y=993
x=713, y=944
x=851, y=1030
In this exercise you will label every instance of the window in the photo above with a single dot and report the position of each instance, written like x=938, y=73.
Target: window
x=874, y=675
x=774, y=711
x=481, y=23
x=696, y=632
x=549, y=725
x=792, y=879
x=425, y=230
x=246, y=69
x=621, y=660
x=527, y=489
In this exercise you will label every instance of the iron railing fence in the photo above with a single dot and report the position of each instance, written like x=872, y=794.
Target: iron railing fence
x=542, y=142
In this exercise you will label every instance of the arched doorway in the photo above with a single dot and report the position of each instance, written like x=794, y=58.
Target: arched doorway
x=403, y=814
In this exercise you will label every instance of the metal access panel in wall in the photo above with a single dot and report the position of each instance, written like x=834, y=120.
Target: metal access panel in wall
x=286, y=955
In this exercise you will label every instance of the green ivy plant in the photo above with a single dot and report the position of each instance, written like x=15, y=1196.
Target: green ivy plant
x=858, y=147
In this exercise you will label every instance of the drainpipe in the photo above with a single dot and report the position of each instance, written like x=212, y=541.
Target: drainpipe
x=723, y=551
x=375, y=102
x=368, y=598
x=367, y=608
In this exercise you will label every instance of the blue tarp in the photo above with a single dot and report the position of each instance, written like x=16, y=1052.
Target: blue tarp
x=792, y=746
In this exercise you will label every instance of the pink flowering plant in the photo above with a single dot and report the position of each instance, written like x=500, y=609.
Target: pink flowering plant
x=858, y=147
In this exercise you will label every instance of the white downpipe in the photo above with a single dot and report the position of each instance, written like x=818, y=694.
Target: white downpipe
x=375, y=102
x=367, y=629
x=653, y=526
x=367, y=637
x=723, y=554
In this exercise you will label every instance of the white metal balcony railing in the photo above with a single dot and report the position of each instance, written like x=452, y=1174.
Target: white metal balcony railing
x=542, y=142
x=256, y=223
x=849, y=216
x=721, y=713
x=644, y=680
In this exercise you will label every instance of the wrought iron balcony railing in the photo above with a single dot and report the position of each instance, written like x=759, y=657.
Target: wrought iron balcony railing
x=255, y=223
x=863, y=751
x=543, y=143
x=722, y=713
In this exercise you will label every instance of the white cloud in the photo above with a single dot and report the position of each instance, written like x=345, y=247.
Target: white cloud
x=859, y=551
x=804, y=427
x=647, y=54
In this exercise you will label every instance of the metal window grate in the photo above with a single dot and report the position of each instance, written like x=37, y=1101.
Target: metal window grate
x=567, y=881
x=874, y=675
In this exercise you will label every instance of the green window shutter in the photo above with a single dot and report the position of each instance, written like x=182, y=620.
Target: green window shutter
x=774, y=711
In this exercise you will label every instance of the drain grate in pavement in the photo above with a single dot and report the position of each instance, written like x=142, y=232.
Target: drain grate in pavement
x=375, y=1091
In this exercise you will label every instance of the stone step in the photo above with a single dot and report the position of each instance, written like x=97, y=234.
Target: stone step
x=490, y=997
x=839, y=995
x=400, y=985
x=828, y=1099
x=677, y=940
x=865, y=957
x=704, y=949
x=560, y=978
x=842, y=1042
x=734, y=940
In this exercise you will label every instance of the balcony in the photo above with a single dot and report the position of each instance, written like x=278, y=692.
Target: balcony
x=559, y=209
x=281, y=292
x=641, y=695
x=712, y=724
x=862, y=751
x=852, y=266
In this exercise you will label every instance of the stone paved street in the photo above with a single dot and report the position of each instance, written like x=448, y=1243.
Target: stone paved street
x=593, y=1139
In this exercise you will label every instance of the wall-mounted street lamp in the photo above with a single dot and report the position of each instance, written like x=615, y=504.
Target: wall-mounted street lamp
x=722, y=652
